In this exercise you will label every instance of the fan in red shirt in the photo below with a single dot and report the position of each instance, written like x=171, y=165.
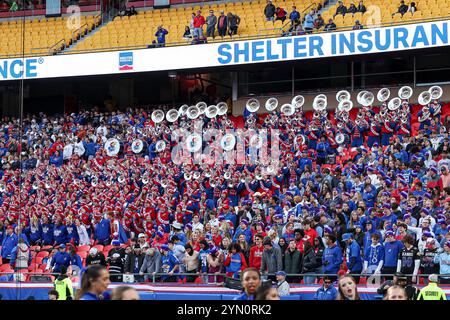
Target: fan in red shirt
x=256, y=252
x=310, y=232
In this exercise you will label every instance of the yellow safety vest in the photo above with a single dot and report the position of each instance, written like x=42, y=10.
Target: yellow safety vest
x=432, y=292
x=64, y=288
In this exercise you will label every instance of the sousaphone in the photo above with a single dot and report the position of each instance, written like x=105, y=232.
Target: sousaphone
x=194, y=142
x=222, y=108
x=252, y=105
x=160, y=145
x=157, y=116
x=271, y=104
x=137, y=146
x=228, y=141
x=172, y=115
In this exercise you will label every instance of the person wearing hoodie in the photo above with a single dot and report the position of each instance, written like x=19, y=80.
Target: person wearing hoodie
x=374, y=256
x=235, y=261
x=10, y=241
x=60, y=232
x=20, y=256
x=60, y=259
x=271, y=261
x=134, y=261
x=256, y=252
x=63, y=285
x=332, y=257
x=392, y=248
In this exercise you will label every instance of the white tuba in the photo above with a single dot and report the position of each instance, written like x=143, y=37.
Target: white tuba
x=172, y=115
x=367, y=99
x=252, y=105
x=183, y=109
x=160, y=145
x=157, y=116
x=211, y=111
x=222, y=108
x=227, y=175
x=343, y=95
x=345, y=105
x=425, y=98
x=340, y=138
x=436, y=92
x=383, y=94
x=320, y=102
x=201, y=107
x=271, y=104
x=194, y=142
x=193, y=112
x=405, y=92
x=298, y=101
x=228, y=141
x=394, y=104
x=187, y=176
x=287, y=109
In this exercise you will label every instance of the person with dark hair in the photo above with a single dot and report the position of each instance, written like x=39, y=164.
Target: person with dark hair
x=53, y=295
x=267, y=291
x=271, y=261
x=353, y=255
x=332, y=257
x=347, y=288
x=402, y=9
x=235, y=261
x=60, y=259
x=222, y=24
x=293, y=261
x=374, y=256
x=94, y=282
x=327, y=291
x=251, y=280
x=402, y=281
x=63, y=285
x=330, y=26
x=124, y=293
x=170, y=264
x=341, y=9
x=408, y=262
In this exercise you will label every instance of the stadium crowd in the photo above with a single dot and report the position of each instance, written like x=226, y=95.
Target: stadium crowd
x=377, y=202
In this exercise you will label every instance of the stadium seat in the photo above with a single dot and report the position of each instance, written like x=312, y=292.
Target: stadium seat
x=83, y=248
x=99, y=247
x=83, y=254
x=42, y=254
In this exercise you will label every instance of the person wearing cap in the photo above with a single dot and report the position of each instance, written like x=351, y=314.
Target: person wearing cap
x=392, y=248
x=353, y=255
x=60, y=259
x=283, y=287
x=142, y=239
x=95, y=257
x=444, y=264
x=177, y=231
x=432, y=291
x=169, y=264
x=63, y=285
x=402, y=281
x=115, y=267
x=134, y=261
x=117, y=249
x=243, y=229
x=9, y=242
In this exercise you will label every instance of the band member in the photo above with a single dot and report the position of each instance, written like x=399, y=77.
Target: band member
x=373, y=134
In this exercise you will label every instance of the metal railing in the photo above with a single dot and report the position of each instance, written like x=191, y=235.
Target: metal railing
x=159, y=277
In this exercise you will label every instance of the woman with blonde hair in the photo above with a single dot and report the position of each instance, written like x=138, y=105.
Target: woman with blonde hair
x=347, y=289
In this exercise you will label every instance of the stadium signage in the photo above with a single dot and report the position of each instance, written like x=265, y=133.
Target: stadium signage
x=365, y=41
x=14, y=69
x=334, y=44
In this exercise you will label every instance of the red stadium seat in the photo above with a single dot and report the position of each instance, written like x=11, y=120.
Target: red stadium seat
x=83, y=254
x=99, y=247
x=107, y=248
x=47, y=247
x=6, y=268
x=43, y=254
x=83, y=248
x=38, y=260
x=33, y=267
x=42, y=267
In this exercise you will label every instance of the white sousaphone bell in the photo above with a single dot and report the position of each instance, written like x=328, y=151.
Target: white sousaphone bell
x=157, y=116
x=212, y=111
x=160, y=145
x=172, y=115
x=183, y=109
x=405, y=92
x=436, y=92
x=228, y=141
x=424, y=98
x=271, y=104
x=112, y=147
x=145, y=180
x=343, y=95
x=394, y=104
x=298, y=101
x=252, y=105
x=222, y=108
x=187, y=176
x=383, y=94
x=345, y=105
x=201, y=107
x=94, y=181
x=367, y=99
x=193, y=112
x=196, y=175
x=227, y=175
x=287, y=109
x=137, y=146
x=121, y=179
x=270, y=169
x=320, y=102
x=193, y=142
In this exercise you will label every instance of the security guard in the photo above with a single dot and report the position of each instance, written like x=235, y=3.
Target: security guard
x=63, y=285
x=432, y=291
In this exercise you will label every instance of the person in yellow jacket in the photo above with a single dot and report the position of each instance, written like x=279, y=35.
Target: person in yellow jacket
x=63, y=285
x=432, y=291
